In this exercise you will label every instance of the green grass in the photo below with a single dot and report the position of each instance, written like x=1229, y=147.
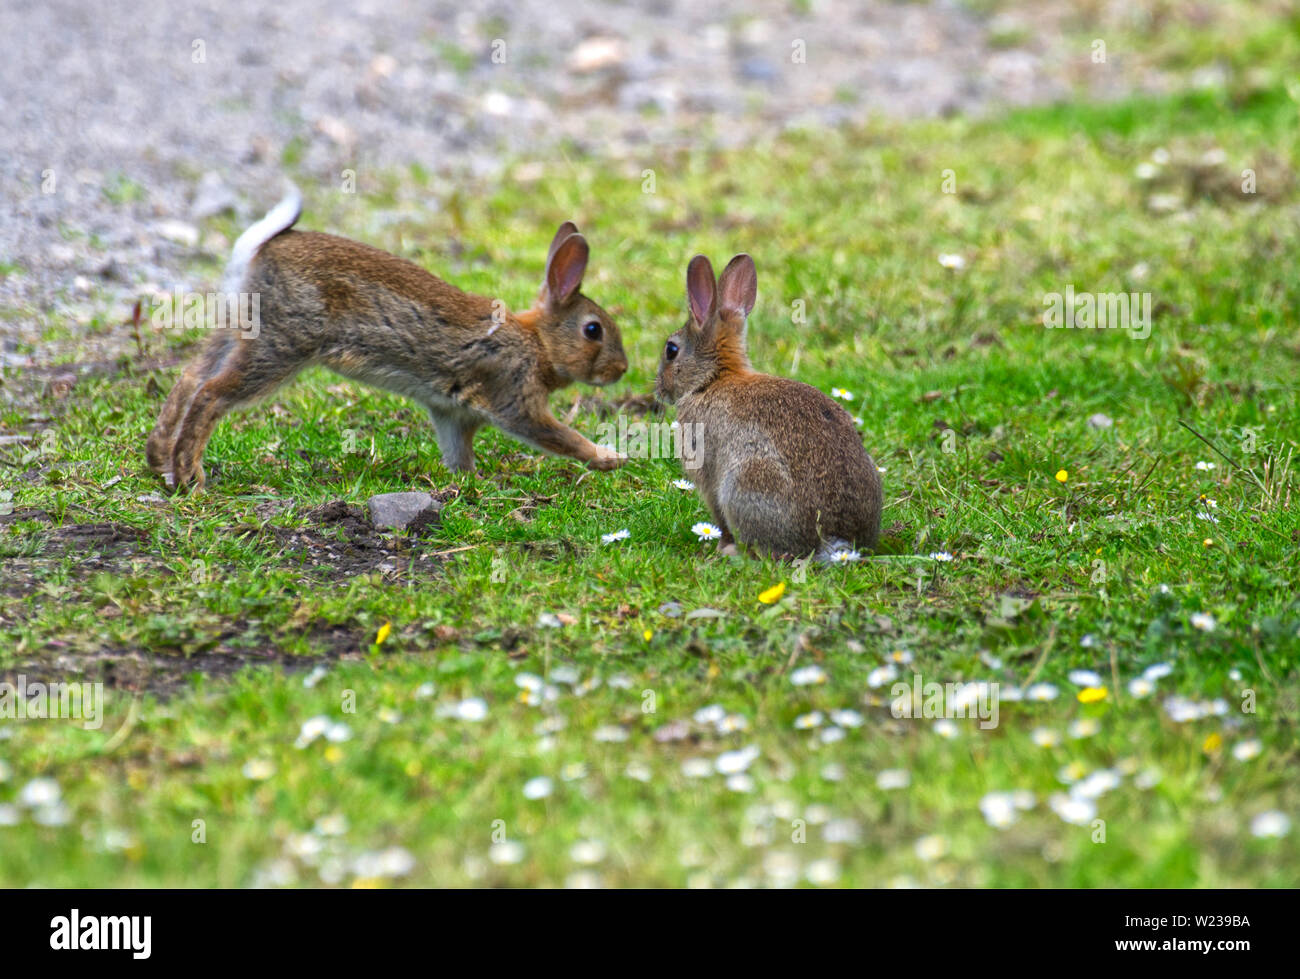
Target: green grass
x=1103, y=571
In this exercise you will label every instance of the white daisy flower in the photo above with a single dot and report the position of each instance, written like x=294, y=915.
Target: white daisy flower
x=845, y=557
x=1148, y=778
x=893, y=778
x=991, y=661
x=842, y=831
x=807, y=676
x=709, y=715
x=1098, y=783
x=551, y=725
x=471, y=709
x=833, y=771
x=732, y=724
x=506, y=852
x=999, y=810
x=706, y=531
x=1146, y=171
x=806, y=722
x=617, y=535
x=1041, y=692
x=1270, y=824
x=1247, y=750
x=55, y=815
x=1085, y=678
x=335, y=824
x=941, y=556
x=1207, y=516
x=574, y=771
x=338, y=733
x=1140, y=687
x=822, y=872
x=882, y=675
x=1084, y=727
x=842, y=394
x=1205, y=466
x=1071, y=773
x=817, y=814
x=952, y=261
x=587, y=852
x=1045, y=737
x=740, y=782
x=1074, y=810
x=638, y=771
x=40, y=792
x=565, y=674
x=946, y=728
x=1157, y=671
x=259, y=770
x=846, y=718
x=610, y=734
x=1204, y=621
x=830, y=735
x=930, y=848
x=1089, y=642
x=312, y=728
x=697, y=768
x=538, y=788
x=732, y=762
x=901, y=656
x=683, y=484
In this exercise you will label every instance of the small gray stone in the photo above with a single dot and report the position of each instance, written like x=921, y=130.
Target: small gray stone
x=397, y=511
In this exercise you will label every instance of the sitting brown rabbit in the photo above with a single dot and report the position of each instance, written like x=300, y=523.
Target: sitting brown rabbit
x=781, y=466
x=382, y=320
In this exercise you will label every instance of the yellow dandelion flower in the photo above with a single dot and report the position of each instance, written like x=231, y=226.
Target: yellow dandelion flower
x=333, y=754
x=648, y=635
x=1090, y=695
x=1213, y=743
x=384, y=630
x=1062, y=475
x=413, y=767
x=773, y=593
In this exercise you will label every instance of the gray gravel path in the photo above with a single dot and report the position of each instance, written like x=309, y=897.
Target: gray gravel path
x=127, y=123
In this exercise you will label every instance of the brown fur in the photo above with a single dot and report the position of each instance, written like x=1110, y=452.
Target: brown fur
x=782, y=468
x=376, y=318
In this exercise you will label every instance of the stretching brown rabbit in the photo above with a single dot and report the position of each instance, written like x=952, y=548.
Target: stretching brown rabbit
x=379, y=319
x=781, y=467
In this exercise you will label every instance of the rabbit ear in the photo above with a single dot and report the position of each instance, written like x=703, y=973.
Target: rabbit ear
x=738, y=286
x=566, y=229
x=701, y=289
x=565, y=269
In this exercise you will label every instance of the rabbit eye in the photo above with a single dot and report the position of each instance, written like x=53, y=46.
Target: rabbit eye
x=670, y=350
x=592, y=330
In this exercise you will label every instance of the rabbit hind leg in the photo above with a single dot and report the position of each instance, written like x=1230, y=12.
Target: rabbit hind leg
x=755, y=501
x=240, y=377
x=162, y=440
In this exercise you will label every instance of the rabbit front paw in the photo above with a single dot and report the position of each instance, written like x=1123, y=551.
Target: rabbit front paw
x=606, y=459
